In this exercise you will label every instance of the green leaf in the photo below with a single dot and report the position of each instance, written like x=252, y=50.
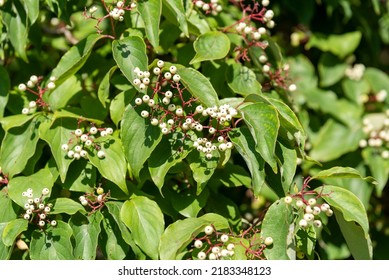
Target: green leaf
x=199, y=86
x=226, y=207
x=119, y=103
x=342, y=172
x=113, y=245
x=340, y=45
x=287, y=117
x=74, y=58
x=130, y=53
x=377, y=79
x=379, y=167
x=63, y=94
x=180, y=234
x=211, y=46
x=186, y=202
x=9, y=210
x=304, y=73
x=306, y=241
x=93, y=108
x=245, y=144
x=58, y=134
x=262, y=120
x=139, y=139
x=113, y=166
x=32, y=9
x=4, y=250
x=150, y=11
x=231, y=175
x=15, y=120
x=146, y=222
x=114, y=208
x=66, y=114
x=176, y=7
x=86, y=231
x=242, y=80
x=328, y=102
x=333, y=140
x=347, y=203
x=18, y=147
x=331, y=69
x=15, y=19
x=360, y=246
x=355, y=90
x=12, y=231
x=276, y=225
x=287, y=161
x=197, y=24
x=5, y=85
x=202, y=168
x=37, y=182
x=52, y=244
x=81, y=177
x=170, y=151
x=66, y=206
x=103, y=91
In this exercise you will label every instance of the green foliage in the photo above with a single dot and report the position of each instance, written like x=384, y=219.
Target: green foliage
x=172, y=130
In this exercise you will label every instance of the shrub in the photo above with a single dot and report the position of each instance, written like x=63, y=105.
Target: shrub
x=168, y=130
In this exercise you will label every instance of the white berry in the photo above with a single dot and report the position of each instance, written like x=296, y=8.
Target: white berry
x=198, y=244
x=78, y=132
x=84, y=137
x=22, y=87
x=230, y=247
x=317, y=223
x=93, y=130
x=208, y=230
x=201, y=256
x=224, y=238
x=101, y=154
x=303, y=223
x=144, y=114
x=51, y=85
x=312, y=201
x=45, y=191
x=288, y=200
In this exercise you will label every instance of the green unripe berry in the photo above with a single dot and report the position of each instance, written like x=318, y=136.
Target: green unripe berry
x=99, y=190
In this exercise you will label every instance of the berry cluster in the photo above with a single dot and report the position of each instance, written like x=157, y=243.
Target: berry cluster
x=82, y=140
x=114, y=12
x=94, y=201
x=355, y=72
x=33, y=86
x=250, y=31
x=214, y=245
x=36, y=210
x=247, y=28
x=308, y=210
x=213, y=7
x=165, y=105
x=279, y=77
x=373, y=98
x=117, y=13
x=377, y=133
x=311, y=211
